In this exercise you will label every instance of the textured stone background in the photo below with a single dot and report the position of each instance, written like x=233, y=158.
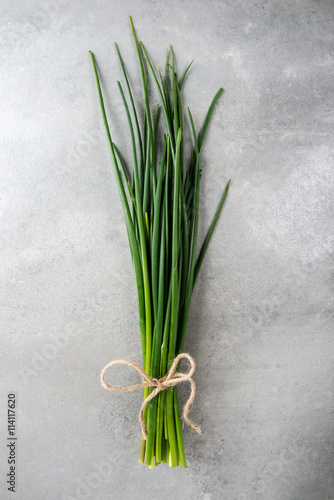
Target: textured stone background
x=261, y=326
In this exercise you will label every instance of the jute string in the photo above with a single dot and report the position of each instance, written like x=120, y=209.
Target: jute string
x=171, y=379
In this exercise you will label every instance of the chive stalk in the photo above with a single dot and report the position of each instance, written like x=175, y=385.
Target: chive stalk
x=160, y=200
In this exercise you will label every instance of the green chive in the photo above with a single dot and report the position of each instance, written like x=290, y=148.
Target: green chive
x=160, y=200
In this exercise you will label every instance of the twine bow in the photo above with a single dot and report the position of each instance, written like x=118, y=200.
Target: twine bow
x=171, y=379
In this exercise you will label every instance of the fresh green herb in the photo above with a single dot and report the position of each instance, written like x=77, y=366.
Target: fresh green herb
x=161, y=209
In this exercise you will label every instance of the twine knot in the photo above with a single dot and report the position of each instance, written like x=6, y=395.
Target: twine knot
x=159, y=384
x=171, y=379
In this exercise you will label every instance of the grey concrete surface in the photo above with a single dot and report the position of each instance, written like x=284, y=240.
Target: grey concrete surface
x=261, y=325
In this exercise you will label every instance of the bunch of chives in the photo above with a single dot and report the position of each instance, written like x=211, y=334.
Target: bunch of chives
x=161, y=205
